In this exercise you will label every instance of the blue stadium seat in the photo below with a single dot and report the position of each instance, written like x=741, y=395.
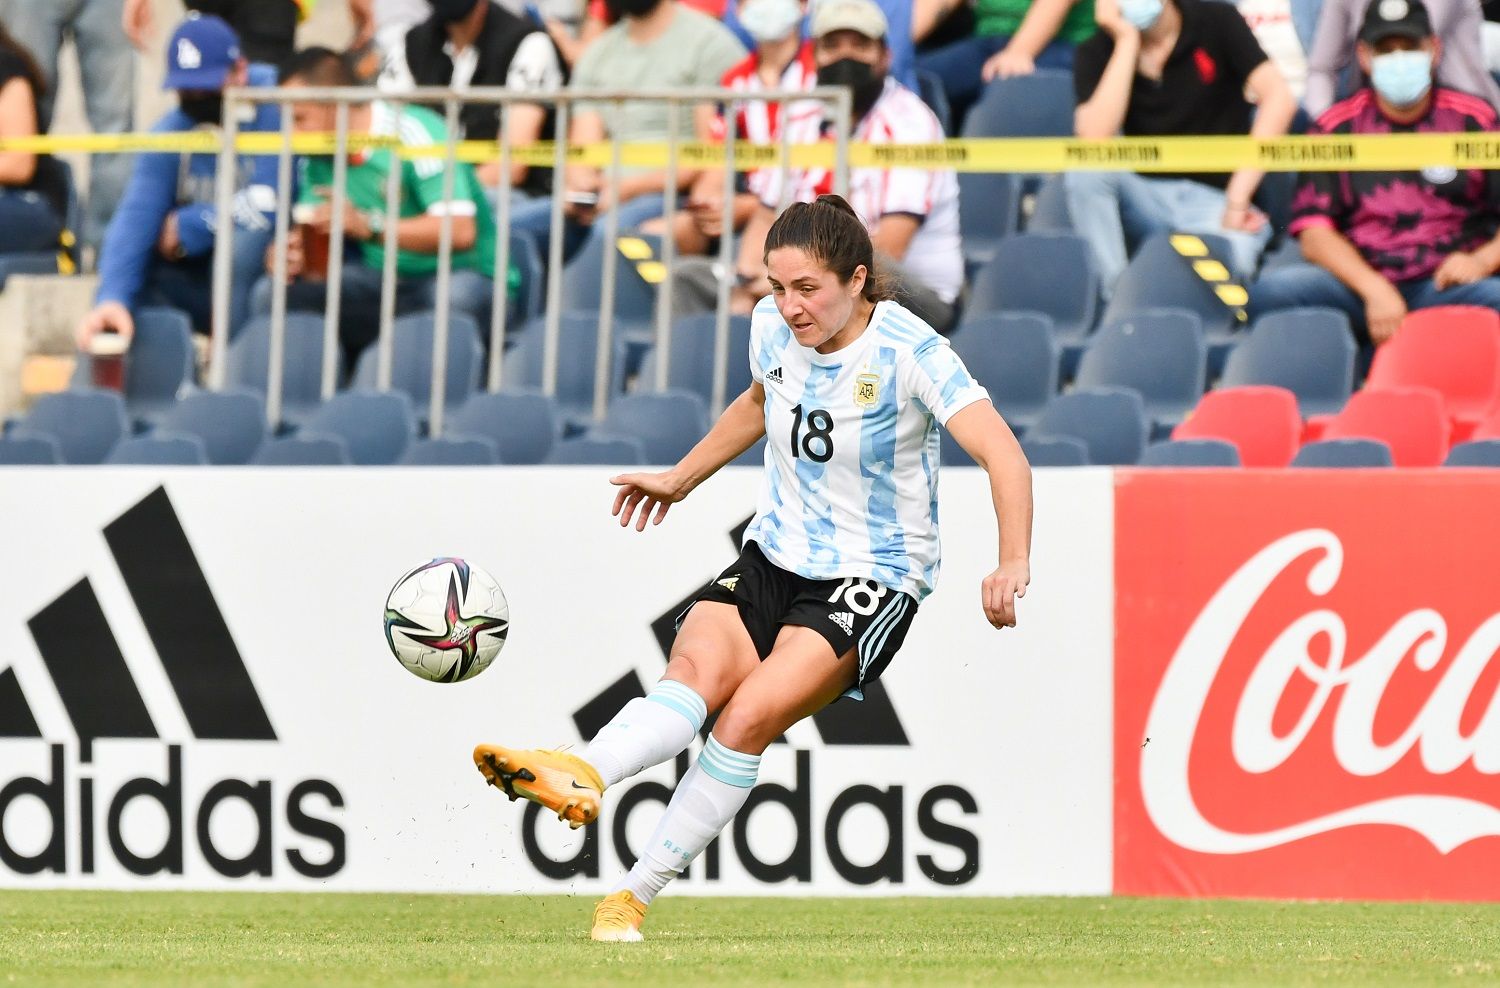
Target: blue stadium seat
x=18, y=448
x=1157, y=277
x=160, y=449
x=577, y=348
x=375, y=426
x=598, y=451
x=1014, y=356
x=232, y=424
x=85, y=422
x=523, y=425
x=1344, y=453
x=303, y=450
x=989, y=210
x=412, y=338
x=1049, y=208
x=249, y=361
x=1159, y=353
x=930, y=88
x=1056, y=451
x=1310, y=352
x=1035, y=105
x=527, y=258
x=667, y=423
x=1048, y=273
x=455, y=450
x=1111, y=422
x=27, y=262
x=1191, y=453
x=583, y=282
x=159, y=366
x=692, y=365
x=1478, y=453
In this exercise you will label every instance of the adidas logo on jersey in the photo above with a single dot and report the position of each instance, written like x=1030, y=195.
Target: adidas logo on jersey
x=729, y=583
x=844, y=620
x=775, y=375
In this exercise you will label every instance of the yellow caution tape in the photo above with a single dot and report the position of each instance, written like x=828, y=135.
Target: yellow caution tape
x=1372, y=152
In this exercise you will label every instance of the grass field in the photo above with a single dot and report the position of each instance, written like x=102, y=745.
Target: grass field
x=250, y=939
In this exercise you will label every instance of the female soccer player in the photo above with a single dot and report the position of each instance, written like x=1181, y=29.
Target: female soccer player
x=850, y=387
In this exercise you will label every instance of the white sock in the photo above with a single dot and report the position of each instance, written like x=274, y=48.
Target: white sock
x=706, y=800
x=647, y=731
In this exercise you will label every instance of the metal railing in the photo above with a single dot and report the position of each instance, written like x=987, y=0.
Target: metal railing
x=564, y=104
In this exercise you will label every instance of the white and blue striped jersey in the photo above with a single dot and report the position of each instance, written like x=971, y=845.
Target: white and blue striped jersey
x=852, y=448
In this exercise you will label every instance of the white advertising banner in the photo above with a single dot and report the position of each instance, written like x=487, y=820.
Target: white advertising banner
x=195, y=692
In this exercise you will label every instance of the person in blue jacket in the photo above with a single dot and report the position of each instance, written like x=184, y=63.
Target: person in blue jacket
x=159, y=247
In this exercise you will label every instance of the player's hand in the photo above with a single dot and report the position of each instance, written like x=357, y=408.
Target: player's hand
x=1459, y=268
x=1000, y=590
x=649, y=492
x=1384, y=310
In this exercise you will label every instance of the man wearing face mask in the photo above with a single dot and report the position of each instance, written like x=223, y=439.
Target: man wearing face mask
x=159, y=247
x=1381, y=243
x=912, y=214
x=1171, y=67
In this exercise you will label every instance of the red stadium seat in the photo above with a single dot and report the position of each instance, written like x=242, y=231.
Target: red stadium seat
x=1412, y=421
x=1260, y=420
x=1454, y=350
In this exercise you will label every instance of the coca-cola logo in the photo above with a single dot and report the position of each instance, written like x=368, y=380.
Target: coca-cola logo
x=1310, y=676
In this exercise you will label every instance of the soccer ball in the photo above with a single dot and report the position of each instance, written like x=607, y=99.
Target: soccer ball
x=446, y=620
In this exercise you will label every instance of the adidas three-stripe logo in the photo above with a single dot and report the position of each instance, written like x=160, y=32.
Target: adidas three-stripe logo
x=775, y=375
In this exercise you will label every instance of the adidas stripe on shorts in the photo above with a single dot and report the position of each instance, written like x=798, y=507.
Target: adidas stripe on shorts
x=852, y=614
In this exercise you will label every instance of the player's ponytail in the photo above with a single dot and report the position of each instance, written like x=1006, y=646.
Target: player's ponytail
x=833, y=235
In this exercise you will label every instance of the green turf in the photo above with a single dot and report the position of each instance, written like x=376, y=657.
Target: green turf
x=156, y=938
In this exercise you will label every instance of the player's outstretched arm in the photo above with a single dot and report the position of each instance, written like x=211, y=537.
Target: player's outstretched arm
x=983, y=434
x=742, y=423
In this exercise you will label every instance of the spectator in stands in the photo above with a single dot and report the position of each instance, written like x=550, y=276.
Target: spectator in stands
x=108, y=71
x=899, y=39
x=1285, y=31
x=418, y=228
x=1160, y=67
x=1011, y=37
x=267, y=28
x=479, y=43
x=1381, y=243
x=1457, y=25
x=390, y=20
x=658, y=44
x=912, y=214
x=159, y=247
x=33, y=187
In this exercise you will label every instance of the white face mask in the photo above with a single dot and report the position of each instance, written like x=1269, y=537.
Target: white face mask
x=770, y=20
x=1141, y=13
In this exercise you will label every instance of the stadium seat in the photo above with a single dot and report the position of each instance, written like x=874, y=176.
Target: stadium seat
x=989, y=208
x=577, y=347
x=667, y=423
x=1049, y=208
x=160, y=448
x=930, y=88
x=523, y=425
x=1455, y=350
x=1157, y=277
x=303, y=450
x=375, y=426
x=583, y=282
x=1191, y=453
x=1344, y=453
x=1261, y=422
x=86, y=422
x=18, y=448
x=1157, y=352
x=1048, y=273
x=1057, y=451
x=1310, y=352
x=1475, y=453
x=231, y=424
x=411, y=360
x=158, y=367
x=248, y=362
x=527, y=259
x=598, y=451
x=691, y=367
x=455, y=450
x=1111, y=423
x=1039, y=104
x=1412, y=421
x=1014, y=356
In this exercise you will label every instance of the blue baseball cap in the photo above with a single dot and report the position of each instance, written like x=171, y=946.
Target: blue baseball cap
x=202, y=51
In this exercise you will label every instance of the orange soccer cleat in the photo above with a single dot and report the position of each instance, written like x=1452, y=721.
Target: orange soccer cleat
x=562, y=782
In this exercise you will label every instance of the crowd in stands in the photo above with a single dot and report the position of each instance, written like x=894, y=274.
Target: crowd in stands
x=1374, y=246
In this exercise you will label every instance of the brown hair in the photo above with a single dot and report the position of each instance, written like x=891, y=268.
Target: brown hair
x=830, y=231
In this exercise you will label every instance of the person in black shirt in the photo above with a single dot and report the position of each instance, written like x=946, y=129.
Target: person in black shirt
x=33, y=191
x=1171, y=67
x=479, y=43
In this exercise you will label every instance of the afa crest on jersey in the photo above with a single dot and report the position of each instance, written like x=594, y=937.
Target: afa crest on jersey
x=867, y=389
